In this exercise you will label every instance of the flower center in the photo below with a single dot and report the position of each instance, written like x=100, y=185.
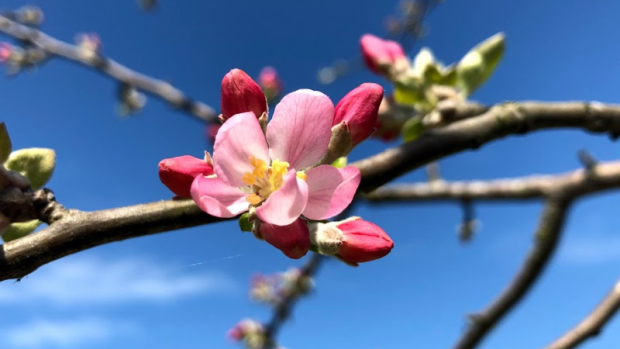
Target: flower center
x=264, y=179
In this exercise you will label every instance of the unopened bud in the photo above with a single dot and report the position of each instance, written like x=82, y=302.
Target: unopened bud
x=270, y=82
x=293, y=239
x=178, y=173
x=241, y=94
x=383, y=57
x=353, y=240
x=359, y=110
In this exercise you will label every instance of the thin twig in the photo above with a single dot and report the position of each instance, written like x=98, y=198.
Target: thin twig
x=546, y=240
x=592, y=324
x=523, y=188
x=108, y=67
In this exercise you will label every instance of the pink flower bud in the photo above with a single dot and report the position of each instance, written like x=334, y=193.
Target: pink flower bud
x=293, y=240
x=211, y=131
x=5, y=51
x=178, y=173
x=379, y=54
x=270, y=82
x=359, y=110
x=241, y=94
x=363, y=241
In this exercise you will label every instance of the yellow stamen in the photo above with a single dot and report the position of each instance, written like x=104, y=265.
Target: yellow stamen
x=265, y=179
x=302, y=175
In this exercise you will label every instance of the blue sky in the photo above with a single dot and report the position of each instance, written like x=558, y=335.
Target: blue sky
x=144, y=293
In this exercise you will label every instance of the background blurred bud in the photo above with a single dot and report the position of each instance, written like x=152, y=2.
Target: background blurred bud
x=178, y=173
x=30, y=15
x=6, y=50
x=89, y=45
x=241, y=94
x=383, y=57
x=270, y=82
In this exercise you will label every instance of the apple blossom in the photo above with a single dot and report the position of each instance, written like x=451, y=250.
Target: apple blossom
x=274, y=174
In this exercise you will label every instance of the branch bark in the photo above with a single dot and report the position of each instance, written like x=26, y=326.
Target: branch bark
x=471, y=133
x=592, y=324
x=78, y=231
x=546, y=240
x=524, y=188
x=110, y=68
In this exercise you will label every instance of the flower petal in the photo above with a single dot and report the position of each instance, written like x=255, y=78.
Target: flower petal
x=285, y=205
x=293, y=239
x=300, y=130
x=239, y=138
x=217, y=198
x=330, y=190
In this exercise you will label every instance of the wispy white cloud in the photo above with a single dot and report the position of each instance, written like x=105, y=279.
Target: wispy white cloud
x=41, y=333
x=89, y=280
x=590, y=250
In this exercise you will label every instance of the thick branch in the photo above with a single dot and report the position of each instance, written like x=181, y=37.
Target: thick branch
x=525, y=188
x=471, y=133
x=592, y=324
x=109, y=67
x=78, y=231
x=546, y=240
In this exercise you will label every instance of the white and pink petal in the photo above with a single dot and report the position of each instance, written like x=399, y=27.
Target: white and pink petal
x=286, y=204
x=300, y=130
x=239, y=138
x=217, y=198
x=330, y=190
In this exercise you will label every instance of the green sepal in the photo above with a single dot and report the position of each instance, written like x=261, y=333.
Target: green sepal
x=36, y=164
x=18, y=230
x=412, y=129
x=5, y=143
x=244, y=222
x=341, y=162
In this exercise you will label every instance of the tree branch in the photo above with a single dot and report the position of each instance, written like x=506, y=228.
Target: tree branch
x=546, y=240
x=79, y=231
x=108, y=67
x=592, y=324
x=471, y=133
x=524, y=188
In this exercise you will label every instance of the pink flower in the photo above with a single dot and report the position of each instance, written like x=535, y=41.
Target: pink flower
x=379, y=54
x=178, y=173
x=6, y=50
x=270, y=82
x=241, y=94
x=363, y=241
x=359, y=110
x=274, y=174
x=293, y=239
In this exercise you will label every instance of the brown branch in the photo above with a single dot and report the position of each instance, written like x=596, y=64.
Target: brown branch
x=592, y=324
x=108, y=67
x=78, y=231
x=546, y=240
x=524, y=188
x=498, y=122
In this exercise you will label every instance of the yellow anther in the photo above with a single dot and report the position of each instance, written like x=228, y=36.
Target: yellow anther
x=248, y=178
x=253, y=199
x=302, y=175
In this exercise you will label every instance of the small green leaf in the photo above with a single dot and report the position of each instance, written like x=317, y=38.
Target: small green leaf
x=18, y=230
x=422, y=60
x=412, y=129
x=36, y=164
x=479, y=63
x=408, y=96
x=5, y=143
x=244, y=222
x=449, y=76
x=341, y=162
x=432, y=74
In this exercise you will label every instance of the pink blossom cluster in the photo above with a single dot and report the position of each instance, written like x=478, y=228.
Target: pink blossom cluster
x=277, y=170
